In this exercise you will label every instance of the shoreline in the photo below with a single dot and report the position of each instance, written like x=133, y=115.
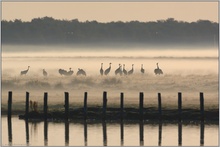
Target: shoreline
x=115, y=114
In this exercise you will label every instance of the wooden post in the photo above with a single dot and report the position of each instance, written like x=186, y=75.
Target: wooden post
x=122, y=105
x=27, y=105
x=179, y=104
x=9, y=104
x=141, y=105
x=85, y=105
x=66, y=105
x=202, y=106
x=45, y=105
x=159, y=105
x=104, y=104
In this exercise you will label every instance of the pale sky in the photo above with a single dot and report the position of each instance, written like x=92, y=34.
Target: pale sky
x=111, y=11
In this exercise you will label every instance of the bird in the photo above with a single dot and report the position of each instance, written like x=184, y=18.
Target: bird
x=80, y=72
x=142, y=69
x=124, y=70
x=62, y=71
x=158, y=70
x=101, y=70
x=44, y=73
x=118, y=70
x=131, y=71
x=108, y=69
x=24, y=72
x=69, y=73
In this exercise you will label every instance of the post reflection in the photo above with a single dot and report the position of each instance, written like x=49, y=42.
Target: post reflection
x=141, y=130
x=85, y=133
x=104, y=133
x=122, y=133
x=45, y=133
x=180, y=133
x=32, y=132
x=27, y=131
x=66, y=133
x=9, y=131
x=202, y=128
x=160, y=134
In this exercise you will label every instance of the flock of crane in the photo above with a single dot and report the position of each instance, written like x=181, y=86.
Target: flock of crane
x=118, y=71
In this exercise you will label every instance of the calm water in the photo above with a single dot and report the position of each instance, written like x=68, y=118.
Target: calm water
x=107, y=134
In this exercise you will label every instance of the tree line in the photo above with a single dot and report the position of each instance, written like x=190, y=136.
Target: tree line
x=48, y=30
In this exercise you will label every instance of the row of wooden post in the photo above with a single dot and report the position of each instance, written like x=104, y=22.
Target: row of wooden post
x=141, y=105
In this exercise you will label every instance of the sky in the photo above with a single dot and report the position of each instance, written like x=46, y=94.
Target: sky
x=111, y=11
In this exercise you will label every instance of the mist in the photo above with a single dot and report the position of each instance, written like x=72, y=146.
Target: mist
x=186, y=70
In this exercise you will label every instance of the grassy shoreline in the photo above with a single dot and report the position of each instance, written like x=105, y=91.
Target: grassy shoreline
x=96, y=113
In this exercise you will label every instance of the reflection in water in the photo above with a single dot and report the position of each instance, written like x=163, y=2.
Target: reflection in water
x=66, y=133
x=107, y=139
x=141, y=130
x=9, y=131
x=180, y=133
x=202, y=127
x=104, y=133
x=122, y=133
x=160, y=133
x=27, y=131
x=45, y=133
x=85, y=133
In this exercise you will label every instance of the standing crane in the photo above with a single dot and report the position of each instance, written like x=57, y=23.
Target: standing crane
x=44, y=72
x=131, y=71
x=24, y=72
x=142, y=69
x=101, y=70
x=108, y=69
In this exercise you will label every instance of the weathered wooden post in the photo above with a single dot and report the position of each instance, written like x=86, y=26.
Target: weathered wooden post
x=202, y=106
x=66, y=105
x=9, y=104
x=141, y=105
x=45, y=105
x=179, y=105
x=104, y=105
x=159, y=105
x=85, y=105
x=27, y=105
x=122, y=105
